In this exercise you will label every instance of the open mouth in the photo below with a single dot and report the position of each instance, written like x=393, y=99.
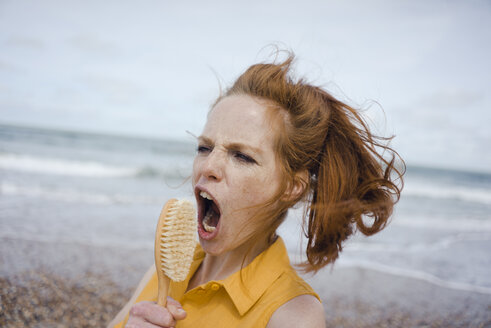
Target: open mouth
x=209, y=213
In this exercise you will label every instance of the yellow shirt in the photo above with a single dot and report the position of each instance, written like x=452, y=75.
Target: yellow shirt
x=267, y=282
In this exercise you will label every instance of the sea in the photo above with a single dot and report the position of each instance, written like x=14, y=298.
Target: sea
x=66, y=187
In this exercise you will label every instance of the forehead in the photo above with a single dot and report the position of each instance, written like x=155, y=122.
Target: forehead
x=240, y=118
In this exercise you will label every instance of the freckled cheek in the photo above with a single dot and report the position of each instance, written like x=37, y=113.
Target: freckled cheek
x=254, y=191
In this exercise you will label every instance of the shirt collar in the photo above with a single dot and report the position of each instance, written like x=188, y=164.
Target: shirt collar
x=246, y=286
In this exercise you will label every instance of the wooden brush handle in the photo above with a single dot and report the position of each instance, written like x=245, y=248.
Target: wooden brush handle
x=164, y=282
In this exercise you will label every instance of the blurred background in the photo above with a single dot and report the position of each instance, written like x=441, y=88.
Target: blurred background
x=99, y=102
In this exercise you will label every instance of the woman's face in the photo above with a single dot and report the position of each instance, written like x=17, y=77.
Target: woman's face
x=235, y=169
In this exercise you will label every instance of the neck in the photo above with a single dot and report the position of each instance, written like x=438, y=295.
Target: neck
x=219, y=267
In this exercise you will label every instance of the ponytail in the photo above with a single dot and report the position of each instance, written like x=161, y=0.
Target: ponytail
x=352, y=182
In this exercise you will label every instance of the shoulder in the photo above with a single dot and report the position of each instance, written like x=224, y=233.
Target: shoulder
x=301, y=311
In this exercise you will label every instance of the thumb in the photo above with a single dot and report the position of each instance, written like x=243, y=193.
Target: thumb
x=175, y=308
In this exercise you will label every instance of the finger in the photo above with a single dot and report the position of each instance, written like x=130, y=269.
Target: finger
x=153, y=313
x=175, y=308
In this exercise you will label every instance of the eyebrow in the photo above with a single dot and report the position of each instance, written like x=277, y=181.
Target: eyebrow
x=233, y=146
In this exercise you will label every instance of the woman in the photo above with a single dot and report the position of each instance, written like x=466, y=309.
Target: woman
x=268, y=143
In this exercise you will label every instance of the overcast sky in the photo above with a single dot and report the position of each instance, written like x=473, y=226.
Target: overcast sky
x=150, y=67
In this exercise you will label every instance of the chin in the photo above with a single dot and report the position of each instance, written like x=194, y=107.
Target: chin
x=211, y=247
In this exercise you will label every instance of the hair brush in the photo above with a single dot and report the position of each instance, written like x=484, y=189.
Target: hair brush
x=175, y=242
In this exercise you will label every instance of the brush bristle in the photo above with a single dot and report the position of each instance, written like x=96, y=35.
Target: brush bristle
x=177, y=240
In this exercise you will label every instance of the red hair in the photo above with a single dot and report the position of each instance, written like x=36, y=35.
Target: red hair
x=347, y=179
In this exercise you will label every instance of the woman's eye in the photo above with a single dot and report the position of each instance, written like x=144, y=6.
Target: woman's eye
x=203, y=149
x=243, y=157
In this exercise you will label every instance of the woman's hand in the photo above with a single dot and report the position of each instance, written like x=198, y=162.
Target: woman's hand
x=149, y=314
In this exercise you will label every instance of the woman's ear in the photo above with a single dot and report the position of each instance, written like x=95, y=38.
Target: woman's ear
x=296, y=189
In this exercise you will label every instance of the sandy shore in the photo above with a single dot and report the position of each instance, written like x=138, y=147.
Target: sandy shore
x=85, y=286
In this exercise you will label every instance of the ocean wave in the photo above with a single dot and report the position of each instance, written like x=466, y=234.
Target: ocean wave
x=462, y=224
x=167, y=173
x=65, y=167
x=93, y=242
x=414, y=246
x=350, y=260
x=476, y=195
x=149, y=172
x=74, y=196
x=415, y=274
x=57, y=166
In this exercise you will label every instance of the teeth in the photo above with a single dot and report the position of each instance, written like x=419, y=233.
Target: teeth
x=204, y=194
x=207, y=227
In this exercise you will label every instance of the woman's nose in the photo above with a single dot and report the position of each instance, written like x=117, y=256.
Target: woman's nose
x=213, y=166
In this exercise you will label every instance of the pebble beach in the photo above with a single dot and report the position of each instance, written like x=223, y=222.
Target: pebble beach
x=90, y=292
